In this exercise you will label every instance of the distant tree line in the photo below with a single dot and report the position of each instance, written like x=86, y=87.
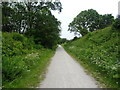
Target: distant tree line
x=33, y=19
x=89, y=21
x=63, y=40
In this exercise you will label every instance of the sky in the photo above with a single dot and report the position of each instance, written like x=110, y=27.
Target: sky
x=71, y=8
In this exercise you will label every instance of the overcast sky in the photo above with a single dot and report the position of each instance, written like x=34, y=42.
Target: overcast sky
x=71, y=8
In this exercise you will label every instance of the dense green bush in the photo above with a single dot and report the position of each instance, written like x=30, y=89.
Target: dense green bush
x=15, y=44
x=18, y=55
x=116, y=24
x=18, y=37
x=38, y=46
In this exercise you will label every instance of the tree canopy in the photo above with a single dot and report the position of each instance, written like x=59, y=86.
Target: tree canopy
x=33, y=19
x=116, y=24
x=89, y=21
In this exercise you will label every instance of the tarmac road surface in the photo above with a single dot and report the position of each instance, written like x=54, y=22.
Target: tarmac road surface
x=65, y=72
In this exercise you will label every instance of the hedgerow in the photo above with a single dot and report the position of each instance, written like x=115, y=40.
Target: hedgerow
x=20, y=55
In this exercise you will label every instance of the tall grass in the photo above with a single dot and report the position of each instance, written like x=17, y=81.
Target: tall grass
x=23, y=62
x=99, y=52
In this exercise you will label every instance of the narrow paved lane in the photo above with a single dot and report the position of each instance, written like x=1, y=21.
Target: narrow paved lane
x=64, y=72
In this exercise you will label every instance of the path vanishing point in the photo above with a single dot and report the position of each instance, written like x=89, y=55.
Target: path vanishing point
x=65, y=72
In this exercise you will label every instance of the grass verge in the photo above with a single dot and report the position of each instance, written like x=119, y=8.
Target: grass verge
x=35, y=74
x=98, y=52
x=89, y=70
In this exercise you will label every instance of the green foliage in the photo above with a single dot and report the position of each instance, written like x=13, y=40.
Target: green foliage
x=21, y=56
x=35, y=65
x=83, y=32
x=12, y=68
x=62, y=40
x=47, y=31
x=18, y=37
x=116, y=24
x=15, y=44
x=99, y=50
x=6, y=14
x=21, y=16
x=32, y=19
x=38, y=46
x=105, y=21
x=89, y=21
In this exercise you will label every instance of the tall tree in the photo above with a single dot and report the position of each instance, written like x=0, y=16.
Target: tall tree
x=20, y=16
x=33, y=19
x=89, y=21
x=46, y=30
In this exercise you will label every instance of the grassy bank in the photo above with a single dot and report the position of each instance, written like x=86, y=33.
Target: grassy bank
x=23, y=62
x=98, y=52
